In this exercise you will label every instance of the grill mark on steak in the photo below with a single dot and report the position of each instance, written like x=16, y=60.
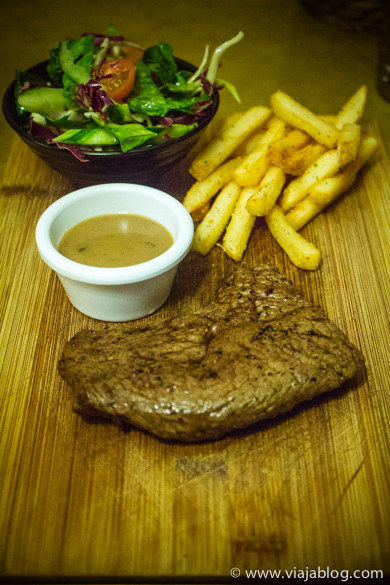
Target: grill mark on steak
x=255, y=352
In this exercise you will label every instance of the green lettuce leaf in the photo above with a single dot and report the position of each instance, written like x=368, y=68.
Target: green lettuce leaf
x=130, y=135
x=145, y=97
x=71, y=62
x=161, y=62
x=177, y=130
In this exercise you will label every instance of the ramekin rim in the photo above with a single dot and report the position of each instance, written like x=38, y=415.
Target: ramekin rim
x=116, y=275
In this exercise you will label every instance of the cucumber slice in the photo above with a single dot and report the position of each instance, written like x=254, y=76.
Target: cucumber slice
x=47, y=101
x=87, y=136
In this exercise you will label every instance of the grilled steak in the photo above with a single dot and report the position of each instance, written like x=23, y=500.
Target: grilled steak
x=254, y=352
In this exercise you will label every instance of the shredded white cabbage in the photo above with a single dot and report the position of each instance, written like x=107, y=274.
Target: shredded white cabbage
x=219, y=51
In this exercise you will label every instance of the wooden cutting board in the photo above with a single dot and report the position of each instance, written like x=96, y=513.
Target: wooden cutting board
x=88, y=501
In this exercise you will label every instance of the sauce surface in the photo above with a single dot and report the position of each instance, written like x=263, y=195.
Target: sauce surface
x=113, y=240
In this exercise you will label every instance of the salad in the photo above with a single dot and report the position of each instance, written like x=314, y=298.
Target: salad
x=107, y=93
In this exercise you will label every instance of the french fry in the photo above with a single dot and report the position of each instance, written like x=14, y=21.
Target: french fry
x=330, y=118
x=348, y=143
x=257, y=140
x=229, y=120
x=352, y=111
x=252, y=168
x=302, y=213
x=298, y=116
x=282, y=149
x=239, y=228
x=301, y=252
x=330, y=189
x=212, y=226
x=210, y=132
x=202, y=191
x=300, y=160
x=320, y=197
x=283, y=163
x=265, y=197
x=325, y=165
x=221, y=147
x=252, y=143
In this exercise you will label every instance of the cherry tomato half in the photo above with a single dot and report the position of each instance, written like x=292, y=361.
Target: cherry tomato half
x=131, y=52
x=117, y=78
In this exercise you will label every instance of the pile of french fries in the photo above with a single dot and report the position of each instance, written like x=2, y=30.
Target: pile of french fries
x=284, y=163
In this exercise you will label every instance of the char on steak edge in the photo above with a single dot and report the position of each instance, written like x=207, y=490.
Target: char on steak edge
x=256, y=351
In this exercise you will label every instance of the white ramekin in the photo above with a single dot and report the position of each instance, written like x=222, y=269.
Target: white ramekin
x=124, y=293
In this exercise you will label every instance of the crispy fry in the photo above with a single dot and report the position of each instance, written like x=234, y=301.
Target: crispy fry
x=265, y=197
x=298, y=116
x=254, y=165
x=282, y=149
x=211, y=228
x=331, y=188
x=330, y=118
x=321, y=196
x=283, y=163
x=239, y=228
x=300, y=160
x=252, y=143
x=328, y=190
x=302, y=213
x=256, y=140
x=353, y=109
x=348, y=143
x=221, y=147
x=252, y=168
x=230, y=119
x=301, y=252
x=210, y=132
x=202, y=191
x=327, y=164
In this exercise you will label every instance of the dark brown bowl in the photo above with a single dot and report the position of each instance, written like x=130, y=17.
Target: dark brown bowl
x=143, y=165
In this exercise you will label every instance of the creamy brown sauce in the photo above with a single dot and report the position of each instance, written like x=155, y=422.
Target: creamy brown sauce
x=112, y=240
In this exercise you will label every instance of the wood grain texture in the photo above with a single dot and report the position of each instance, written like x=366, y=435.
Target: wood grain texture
x=309, y=489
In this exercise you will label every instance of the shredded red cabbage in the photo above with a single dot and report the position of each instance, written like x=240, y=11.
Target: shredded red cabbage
x=200, y=111
x=91, y=95
x=74, y=150
x=47, y=134
x=40, y=131
x=206, y=85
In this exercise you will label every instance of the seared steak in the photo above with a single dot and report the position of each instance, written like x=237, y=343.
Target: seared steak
x=255, y=352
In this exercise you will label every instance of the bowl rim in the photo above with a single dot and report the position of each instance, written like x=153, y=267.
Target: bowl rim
x=9, y=111
x=116, y=275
